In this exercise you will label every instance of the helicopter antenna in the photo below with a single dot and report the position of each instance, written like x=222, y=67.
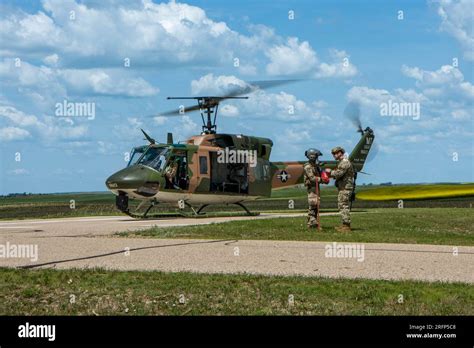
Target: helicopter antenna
x=208, y=107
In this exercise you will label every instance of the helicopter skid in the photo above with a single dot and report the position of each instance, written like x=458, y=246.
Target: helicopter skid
x=180, y=199
x=191, y=198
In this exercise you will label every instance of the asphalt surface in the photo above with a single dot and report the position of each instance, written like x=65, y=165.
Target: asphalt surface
x=90, y=242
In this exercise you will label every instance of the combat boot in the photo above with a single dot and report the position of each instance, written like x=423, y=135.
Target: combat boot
x=344, y=228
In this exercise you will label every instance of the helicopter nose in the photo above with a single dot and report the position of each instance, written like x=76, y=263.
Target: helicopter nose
x=141, y=180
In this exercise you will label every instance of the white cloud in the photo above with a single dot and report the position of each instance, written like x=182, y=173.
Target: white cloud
x=47, y=85
x=445, y=100
x=291, y=58
x=294, y=58
x=13, y=133
x=220, y=85
x=111, y=82
x=445, y=83
x=159, y=120
x=130, y=126
x=447, y=74
x=368, y=96
x=186, y=128
x=51, y=60
x=18, y=117
x=48, y=128
x=228, y=110
x=456, y=19
x=145, y=32
x=340, y=67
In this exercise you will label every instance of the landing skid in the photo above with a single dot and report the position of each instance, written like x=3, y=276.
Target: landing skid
x=198, y=212
x=193, y=214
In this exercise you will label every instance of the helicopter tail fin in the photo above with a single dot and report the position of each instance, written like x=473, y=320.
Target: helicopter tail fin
x=360, y=152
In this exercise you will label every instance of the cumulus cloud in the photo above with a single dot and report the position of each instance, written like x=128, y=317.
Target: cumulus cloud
x=13, y=133
x=456, y=19
x=47, y=127
x=112, y=82
x=340, y=66
x=294, y=58
x=145, y=32
x=49, y=84
x=64, y=33
x=291, y=58
x=443, y=95
x=217, y=85
x=229, y=110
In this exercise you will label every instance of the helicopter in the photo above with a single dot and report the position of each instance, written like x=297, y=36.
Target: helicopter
x=211, y=168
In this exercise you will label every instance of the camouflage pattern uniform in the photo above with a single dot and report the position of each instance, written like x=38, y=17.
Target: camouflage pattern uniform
x=170, y=173
x=312, y=177
x=344, y=175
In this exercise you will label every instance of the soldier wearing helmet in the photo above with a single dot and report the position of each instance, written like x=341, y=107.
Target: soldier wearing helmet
x=344, y=175
x=312, y=178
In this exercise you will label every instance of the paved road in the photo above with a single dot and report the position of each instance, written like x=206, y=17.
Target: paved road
x=89, y=242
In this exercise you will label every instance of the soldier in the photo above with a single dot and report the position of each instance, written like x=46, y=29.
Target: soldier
x=312, y=178
x=344, y=175
x=170, y=173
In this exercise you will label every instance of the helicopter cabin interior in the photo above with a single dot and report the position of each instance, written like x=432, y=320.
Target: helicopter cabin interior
x=181, y=178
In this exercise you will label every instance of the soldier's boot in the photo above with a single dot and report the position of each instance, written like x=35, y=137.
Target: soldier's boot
x=344, y=228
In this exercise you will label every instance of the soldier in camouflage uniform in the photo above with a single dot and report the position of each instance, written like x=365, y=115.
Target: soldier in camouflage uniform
x=170, y=173
x=312, y=177
x=344, y=175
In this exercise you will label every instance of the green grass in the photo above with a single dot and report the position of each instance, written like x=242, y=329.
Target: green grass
x=100, y=292
x=103, y=203
x=417, y=225
x=384, y=193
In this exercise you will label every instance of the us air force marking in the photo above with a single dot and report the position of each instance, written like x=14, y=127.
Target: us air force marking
x=283, y=176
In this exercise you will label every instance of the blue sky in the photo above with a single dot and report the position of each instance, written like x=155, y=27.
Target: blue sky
x=53, y=51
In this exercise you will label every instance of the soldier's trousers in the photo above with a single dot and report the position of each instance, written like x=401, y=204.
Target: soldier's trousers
x=343, y=204
x=312, y=209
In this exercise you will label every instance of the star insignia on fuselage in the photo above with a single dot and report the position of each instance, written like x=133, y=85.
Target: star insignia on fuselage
x=283, y=176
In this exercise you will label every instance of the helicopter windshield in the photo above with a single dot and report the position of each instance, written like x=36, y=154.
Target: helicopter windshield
x=136, y=153
x=154, y=157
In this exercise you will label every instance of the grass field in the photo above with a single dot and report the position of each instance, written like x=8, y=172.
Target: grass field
x=100, y=292
x=385, y=193
x=103, y=203
x=417, y=225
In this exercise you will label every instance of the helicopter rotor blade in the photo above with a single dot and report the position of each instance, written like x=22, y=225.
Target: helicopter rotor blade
x=179, y=112
x=234, y=93
x=253, y=86
x=352, y=112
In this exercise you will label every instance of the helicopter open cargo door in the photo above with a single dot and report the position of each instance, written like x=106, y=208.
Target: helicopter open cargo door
x=228, y=177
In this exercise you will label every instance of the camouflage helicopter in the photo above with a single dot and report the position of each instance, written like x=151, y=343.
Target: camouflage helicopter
x=211, y=168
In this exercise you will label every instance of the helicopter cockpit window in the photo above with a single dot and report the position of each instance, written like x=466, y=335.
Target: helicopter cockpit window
x=154, y=157
x=135, y=155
